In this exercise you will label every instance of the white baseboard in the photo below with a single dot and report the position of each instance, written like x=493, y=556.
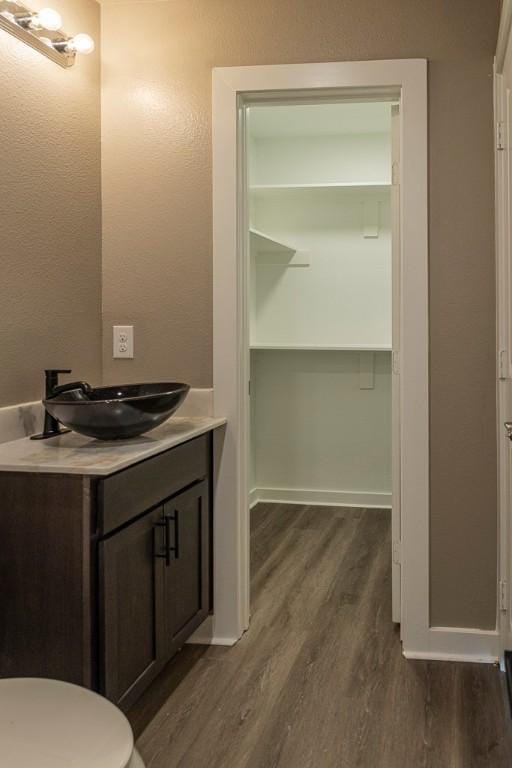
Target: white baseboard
x=320, y=498
x=197, y=639
x=205, y=635
x=457, y=644
x=453, y=644
x=254, y=497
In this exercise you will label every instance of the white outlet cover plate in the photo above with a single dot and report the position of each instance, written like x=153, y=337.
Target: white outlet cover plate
x=122, y=341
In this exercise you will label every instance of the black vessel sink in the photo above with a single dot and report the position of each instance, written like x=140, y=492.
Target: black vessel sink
x=116, y=413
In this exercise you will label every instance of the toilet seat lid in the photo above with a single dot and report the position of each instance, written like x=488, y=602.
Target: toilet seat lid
x=52, y=724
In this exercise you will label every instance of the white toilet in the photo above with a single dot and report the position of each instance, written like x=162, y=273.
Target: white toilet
x=51, y=724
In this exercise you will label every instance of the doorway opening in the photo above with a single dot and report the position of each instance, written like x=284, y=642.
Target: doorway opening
x=237, y=90
x=324, y=295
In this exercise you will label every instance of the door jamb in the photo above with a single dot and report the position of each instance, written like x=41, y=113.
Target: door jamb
x=231, y=85
x=503, y=363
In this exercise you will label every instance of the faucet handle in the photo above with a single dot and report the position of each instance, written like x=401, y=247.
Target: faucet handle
x=51, y=425
x=57, y=370
x=52, y=379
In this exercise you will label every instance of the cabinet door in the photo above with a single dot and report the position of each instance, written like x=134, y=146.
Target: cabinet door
x=132, y=640
x=186, y=588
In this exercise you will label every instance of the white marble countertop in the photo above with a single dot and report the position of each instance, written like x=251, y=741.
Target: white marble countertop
x=78, y=455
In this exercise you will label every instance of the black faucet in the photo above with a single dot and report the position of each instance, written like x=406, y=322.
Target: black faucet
x=52, y=427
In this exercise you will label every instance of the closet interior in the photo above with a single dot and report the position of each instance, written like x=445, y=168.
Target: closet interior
x=320, y=297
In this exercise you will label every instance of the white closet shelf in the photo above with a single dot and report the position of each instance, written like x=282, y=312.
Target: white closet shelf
x=355, y=185
x=325, y=348
x=268, y=244
x=275, y=253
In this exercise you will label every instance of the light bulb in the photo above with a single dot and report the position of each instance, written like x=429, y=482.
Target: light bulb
x=81, y=43
x=48, y=19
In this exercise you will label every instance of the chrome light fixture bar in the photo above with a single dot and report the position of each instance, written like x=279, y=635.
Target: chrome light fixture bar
x=42, y=31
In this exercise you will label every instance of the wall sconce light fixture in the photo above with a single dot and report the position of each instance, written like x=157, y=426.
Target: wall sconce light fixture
x=42, y=31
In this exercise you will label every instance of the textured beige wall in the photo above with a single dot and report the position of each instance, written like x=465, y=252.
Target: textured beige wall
x=158, y=58
x=50, y=204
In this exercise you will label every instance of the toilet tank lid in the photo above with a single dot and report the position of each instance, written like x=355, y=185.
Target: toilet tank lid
x=52, y=724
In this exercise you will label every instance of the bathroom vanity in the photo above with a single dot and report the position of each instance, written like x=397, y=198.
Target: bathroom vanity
x=105, y=555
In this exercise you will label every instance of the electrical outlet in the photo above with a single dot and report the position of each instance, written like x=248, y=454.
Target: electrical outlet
x=123, y=341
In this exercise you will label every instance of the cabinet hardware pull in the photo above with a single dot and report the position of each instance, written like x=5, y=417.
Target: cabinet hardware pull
x=176, y=534
x=167, y=552
x=166, y=524
x=175, y=519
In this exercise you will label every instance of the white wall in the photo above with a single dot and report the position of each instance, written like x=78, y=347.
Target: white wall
x=315, y=429
x=343, y=298
x=328, y=159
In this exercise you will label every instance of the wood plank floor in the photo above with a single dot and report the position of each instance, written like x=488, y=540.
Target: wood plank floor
x=319, y=680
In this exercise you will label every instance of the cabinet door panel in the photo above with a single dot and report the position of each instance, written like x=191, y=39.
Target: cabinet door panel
x=132, y=644
x=187, y=575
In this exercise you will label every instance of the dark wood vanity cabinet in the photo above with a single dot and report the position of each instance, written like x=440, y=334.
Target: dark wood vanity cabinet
x=186, y=593
x=131, y=610
x=153, y=589
x=104, y=579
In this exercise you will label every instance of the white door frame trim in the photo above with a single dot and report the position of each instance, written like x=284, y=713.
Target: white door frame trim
x=231, y=85
x=503, y=35
x=503, y=358
x=503, y=326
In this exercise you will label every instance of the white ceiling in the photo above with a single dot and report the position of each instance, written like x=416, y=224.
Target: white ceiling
x=319, y=119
